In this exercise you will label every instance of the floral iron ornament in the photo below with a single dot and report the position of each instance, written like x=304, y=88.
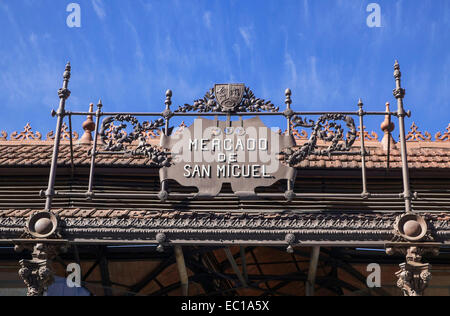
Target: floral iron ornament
x=229, y=98
x=319, y=132
x=118, y=139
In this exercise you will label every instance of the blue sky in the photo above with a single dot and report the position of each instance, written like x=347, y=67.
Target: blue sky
x=129, y=52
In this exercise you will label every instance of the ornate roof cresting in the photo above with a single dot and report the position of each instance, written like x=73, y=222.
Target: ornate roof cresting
x=65, y=133
x=443, y=137
x=372, y=136
x=415, y=135
x=26, y=134
x=298, y=135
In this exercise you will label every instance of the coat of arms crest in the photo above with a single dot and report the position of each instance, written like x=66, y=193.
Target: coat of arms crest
x=229, y=95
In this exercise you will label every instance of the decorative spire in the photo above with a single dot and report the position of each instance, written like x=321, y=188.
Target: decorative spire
x=387, y=126
x=288, y=113
x=99, y=104
x=397, y=73
x=89, y=127
x=168, y=101
x=66, y=75
x=399, y=92
x=167, y=114
x=64, y=93
x=360, y=103
x=288, y=100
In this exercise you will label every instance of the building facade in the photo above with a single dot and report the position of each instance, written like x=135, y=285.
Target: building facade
x=113, y=202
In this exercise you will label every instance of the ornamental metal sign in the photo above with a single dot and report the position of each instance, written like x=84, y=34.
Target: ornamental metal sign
x=210, y=153
x=244, y=153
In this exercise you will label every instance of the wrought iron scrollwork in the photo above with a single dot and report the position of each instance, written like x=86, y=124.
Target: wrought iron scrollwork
x=248, y=103
x=118, y=139
x=319, y=132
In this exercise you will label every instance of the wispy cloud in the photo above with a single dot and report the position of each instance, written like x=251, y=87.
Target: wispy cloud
x=207, y=19
x=291, y=68
x=245, y=33
x=99, y=8
x=139, y=52
x=33, y=38
x=306, y=10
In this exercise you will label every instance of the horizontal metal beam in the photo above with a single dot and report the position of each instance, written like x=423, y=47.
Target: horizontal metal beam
x=160, y=114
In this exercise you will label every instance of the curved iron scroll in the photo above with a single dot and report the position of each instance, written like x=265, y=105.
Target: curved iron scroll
x=293, y=157
x=209, y=103
x=117, y=139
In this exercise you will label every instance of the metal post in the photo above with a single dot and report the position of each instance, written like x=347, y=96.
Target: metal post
x=244, y=263
x=399, y=94
x=72, y=165
x=388, y=162
x=288, y=102
x=163, y=194
x=363, y=148
x=167, y=112
x=235, y=267
x=63, y=94
x=311, y=282
x=288, y=114
x=94, y=146
x=184, y=280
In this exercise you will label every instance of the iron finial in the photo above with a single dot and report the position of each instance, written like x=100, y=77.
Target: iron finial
x=399, y=92
x=67, y=71
x=397, y=73
x=288, y=94
x=168, y=101
x=360, y=103
x=100, y=104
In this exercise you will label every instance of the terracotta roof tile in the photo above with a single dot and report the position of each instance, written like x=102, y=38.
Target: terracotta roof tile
x=39, y=153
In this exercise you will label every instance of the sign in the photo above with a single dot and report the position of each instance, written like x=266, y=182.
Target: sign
x=209, y=153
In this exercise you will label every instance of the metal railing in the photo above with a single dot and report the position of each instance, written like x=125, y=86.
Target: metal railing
x=290, y=115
